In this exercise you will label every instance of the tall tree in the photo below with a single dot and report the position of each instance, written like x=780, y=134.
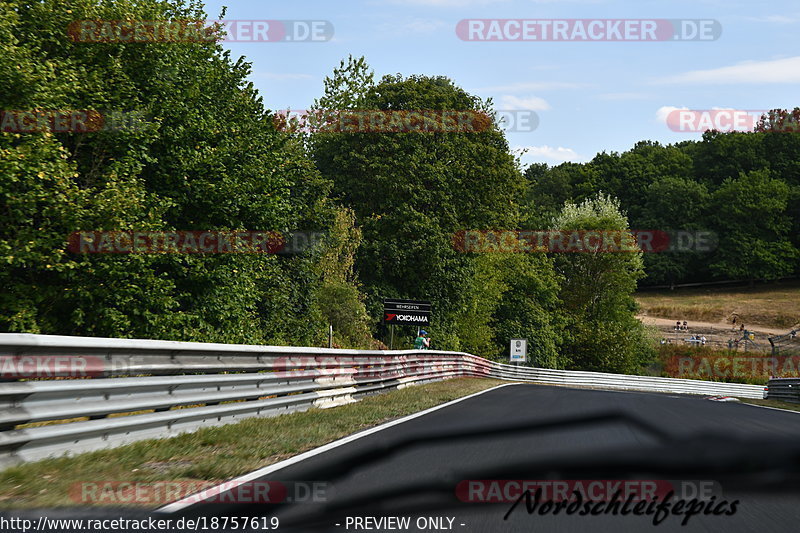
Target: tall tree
x=412, y=191
x=597, y=291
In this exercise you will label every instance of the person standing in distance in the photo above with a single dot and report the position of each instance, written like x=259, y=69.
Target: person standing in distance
x=422, y=342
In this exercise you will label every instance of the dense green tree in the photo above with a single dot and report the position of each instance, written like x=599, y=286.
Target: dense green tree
x=668, y=188
x=412, y=191
x=338, y=295
x=602, y=332
x=749, y=213
x=673, y=205
x=720, y=156
x=205, y=156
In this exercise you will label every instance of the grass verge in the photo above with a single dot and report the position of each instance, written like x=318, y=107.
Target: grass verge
x=773, y=403
x=214, y=455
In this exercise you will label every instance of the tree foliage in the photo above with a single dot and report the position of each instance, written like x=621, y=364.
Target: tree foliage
x=204, y=157
x=204, y=154
x=412, y=191
x=741, y=189
x=597, y=292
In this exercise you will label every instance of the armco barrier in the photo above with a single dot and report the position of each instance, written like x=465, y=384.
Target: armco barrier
x=784, y=389
x=110, y=392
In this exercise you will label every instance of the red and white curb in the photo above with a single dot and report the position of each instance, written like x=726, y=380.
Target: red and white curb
x=722, y=399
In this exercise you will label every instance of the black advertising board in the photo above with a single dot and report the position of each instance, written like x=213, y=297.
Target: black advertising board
x=406, y=312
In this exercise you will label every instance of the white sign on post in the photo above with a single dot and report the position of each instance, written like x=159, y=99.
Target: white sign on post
x=519, y=350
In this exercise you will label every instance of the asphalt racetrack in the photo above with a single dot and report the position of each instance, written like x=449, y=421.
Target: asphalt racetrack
x=448, y=465
x=717, y=457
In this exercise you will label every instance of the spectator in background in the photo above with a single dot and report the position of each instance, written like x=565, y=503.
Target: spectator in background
x=703, y=340
x=422, y=342
x=685, y=326
x=419, y=342
x=677, y=325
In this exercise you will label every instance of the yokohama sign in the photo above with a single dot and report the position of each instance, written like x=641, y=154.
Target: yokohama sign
x=406, y=312
x=392, y=318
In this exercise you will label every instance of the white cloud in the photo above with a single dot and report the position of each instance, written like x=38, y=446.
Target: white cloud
x=786, y=70
x=532, y=103
x=664, y=111
x=550, y=153
x=530, y=86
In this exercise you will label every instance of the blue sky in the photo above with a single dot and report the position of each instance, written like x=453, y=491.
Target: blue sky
x=589, y=96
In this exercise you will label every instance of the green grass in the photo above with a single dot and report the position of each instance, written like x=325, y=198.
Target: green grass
x=214, y=455
x=773, y=305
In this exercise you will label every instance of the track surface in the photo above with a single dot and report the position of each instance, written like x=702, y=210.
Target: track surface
x=448, y=462
x=526, y=403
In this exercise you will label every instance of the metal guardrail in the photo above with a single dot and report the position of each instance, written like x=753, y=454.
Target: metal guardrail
x=110, y=392
x=787, y=344
x=784, y=389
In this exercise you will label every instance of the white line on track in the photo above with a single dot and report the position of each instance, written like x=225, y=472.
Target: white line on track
x=768, y=407
x=192, y=500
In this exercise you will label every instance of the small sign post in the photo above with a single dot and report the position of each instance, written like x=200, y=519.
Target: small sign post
x=519, y=350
